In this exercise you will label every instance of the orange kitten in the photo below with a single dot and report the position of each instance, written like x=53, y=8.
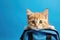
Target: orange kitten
x=37, y=20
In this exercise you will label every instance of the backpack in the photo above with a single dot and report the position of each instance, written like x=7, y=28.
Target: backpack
x=43, y=34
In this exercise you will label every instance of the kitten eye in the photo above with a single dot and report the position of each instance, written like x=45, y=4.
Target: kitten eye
x=40, y=21
x=33, y=22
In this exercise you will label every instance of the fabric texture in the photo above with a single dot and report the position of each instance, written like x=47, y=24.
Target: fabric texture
x=40, y=34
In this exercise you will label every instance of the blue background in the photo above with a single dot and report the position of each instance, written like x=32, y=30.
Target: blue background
x=13, y=15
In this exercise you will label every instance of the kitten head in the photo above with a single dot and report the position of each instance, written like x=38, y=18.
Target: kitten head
x=38, y=20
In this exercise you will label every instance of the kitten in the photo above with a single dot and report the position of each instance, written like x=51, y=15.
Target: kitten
x=38, y=20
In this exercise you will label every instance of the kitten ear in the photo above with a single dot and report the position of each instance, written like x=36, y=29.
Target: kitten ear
x=28, y=12
x=45, y=13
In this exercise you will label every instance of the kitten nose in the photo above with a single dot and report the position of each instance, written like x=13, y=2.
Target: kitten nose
x=36, y=25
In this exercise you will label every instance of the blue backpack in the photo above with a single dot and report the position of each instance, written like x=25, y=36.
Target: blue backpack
x=43, y=34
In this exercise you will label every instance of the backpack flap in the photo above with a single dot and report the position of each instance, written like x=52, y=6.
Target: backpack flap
x=40, y=34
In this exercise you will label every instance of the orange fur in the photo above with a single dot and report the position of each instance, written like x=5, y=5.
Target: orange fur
x=39, y=20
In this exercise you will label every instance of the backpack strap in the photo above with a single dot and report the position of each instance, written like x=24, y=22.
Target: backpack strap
x=30, y=36
x=23, y=35
x=48, y=37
